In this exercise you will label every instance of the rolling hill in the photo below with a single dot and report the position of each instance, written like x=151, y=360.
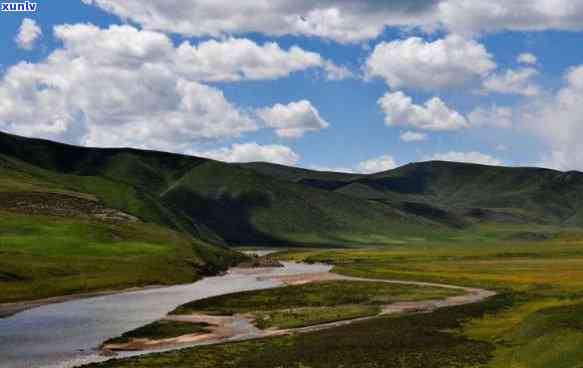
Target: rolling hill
x=78, y=219
x=268, y=204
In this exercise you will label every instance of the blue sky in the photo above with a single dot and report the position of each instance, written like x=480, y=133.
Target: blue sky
x=347, y=85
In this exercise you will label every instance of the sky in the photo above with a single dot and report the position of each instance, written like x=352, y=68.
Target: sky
x=344, y=85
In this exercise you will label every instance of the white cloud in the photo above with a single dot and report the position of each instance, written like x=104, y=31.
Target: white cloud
x=467, y=157
x=231, y=59
x=371, y=166
x=121, y=86
x=344, y=20
x=495, y=116
x=413, y=137
x=470, y=16
x=28, y=33
x=338, y=169
x=236, y=59
x=115, y=46
x=435, y=115
x=513, y=82
x=115, y=87
x=415, y=63
x=558, y=120
x=335, y=72
x=253, y=152
x=527, y=58
x=378, y=164
x=293, y=120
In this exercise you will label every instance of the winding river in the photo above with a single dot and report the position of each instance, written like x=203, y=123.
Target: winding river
x=67, y=334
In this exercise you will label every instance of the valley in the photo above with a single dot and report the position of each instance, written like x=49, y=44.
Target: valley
x=85, y=222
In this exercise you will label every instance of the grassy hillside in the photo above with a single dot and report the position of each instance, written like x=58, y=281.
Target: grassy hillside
x=245, y=207
x=267, y=204
x=46, y=256
x=64, y=234
x=217, y=202
x=458, y=194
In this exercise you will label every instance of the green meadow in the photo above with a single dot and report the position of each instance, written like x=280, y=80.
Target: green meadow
x=44, y=256
x=534, y=321
x=312, y=304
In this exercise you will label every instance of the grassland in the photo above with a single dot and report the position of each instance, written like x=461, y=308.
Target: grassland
x=274, y=205
x=542, y=328
x=161, y=330
x=134, y=218
x=46, y=256
x=421, y=341
x=64, y=233
x=315, y=303
x=309, y=316
x=297, y=306
x=321, y=294
x=535, y=321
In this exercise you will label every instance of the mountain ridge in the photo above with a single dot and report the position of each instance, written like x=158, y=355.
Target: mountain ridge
x=269, y=204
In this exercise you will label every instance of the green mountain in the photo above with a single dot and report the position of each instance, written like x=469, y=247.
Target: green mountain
x=66, y=228
x=217, y=202
x=464, y=193
x=77, y=219
x=267, y=204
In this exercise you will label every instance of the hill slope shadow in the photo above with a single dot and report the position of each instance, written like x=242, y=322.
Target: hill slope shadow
x=225, y=214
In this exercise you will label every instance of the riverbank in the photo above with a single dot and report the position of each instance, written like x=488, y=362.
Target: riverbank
x=67, y=334
x=244, y=325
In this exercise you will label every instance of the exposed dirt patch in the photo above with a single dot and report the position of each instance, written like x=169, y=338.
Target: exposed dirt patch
x=221, y=328
x=308, y=278
x=55, y=204
x=241, y=326
x=259, y=262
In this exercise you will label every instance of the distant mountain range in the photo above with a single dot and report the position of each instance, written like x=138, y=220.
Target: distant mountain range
x=268, y=204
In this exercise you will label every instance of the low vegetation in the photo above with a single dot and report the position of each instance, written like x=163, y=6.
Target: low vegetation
x=321, y=294
x=533, y=322
x=46, y=256
x=540, y=329
x=161, y=330
x=422, y=341
x=310, y=316
x=307, y=305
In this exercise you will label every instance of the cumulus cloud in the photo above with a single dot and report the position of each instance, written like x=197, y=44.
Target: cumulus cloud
x=495, y=116
x=237, y=59
x=467, y=157
x=253, y=152
x=335, y=72
x=469, y=16
x=121, y=86
x=344, y=20
x=338, y=169
x=28, y=33
x=558, y=120
x=378, y=164
x=513, y=82
x=527, y=58
x=371, y=166
x=293, y=120
x=415, y=63
x=413, y=136
x=434, y=115
x=115, y=87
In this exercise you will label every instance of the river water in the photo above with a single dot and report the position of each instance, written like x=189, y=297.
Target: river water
x=67, y=334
